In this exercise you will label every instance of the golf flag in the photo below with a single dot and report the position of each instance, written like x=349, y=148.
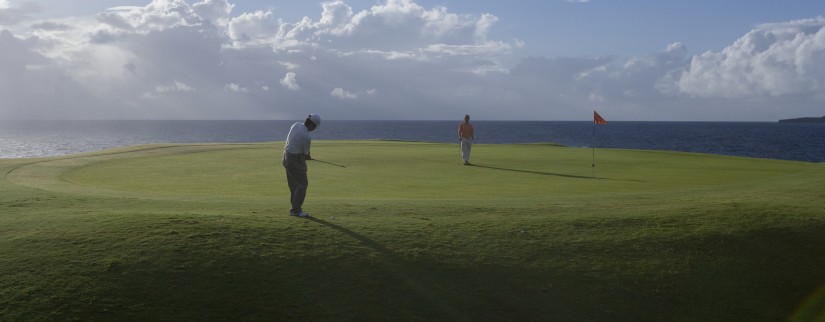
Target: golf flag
x=597, y=119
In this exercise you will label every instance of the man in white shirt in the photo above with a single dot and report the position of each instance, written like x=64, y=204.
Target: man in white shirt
x=296, y=153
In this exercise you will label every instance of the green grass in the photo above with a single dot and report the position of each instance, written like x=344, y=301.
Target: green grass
x=529, y=233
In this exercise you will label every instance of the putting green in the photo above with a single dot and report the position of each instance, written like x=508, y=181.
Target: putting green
x=404, y=171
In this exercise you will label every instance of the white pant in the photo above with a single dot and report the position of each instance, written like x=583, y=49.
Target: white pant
x=466, y=146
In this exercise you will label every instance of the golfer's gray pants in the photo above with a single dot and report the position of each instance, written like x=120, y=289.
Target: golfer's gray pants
x=466, y=146
x=296, y=177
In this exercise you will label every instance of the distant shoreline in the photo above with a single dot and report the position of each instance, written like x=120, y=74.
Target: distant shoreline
x=804, y=120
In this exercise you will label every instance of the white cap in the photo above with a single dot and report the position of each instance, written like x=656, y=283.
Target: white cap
x=315, y=118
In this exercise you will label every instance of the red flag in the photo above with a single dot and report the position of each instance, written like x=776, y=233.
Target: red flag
x=597, y=119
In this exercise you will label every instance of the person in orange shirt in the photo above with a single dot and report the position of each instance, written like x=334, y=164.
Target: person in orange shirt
x=465, y=135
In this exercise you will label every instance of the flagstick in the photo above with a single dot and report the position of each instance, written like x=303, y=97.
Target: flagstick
x=597, y=119
x=593, y=165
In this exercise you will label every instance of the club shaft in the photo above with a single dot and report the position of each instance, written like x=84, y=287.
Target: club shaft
x=330, y=163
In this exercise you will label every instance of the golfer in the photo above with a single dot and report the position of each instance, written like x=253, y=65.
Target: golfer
x=465, y=135
x=296, y=154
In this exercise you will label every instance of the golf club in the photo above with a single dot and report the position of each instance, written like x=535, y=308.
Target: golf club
x=330, y=163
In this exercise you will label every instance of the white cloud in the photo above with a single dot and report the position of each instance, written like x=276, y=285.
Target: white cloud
x=483, y=26
x=158, y=15
x=232, y=87
x=343, y=94
x=161, y=91
x=773, y=59
x=216, y=11
x=288, y=65
x=393, y=60
x=335, y=15
x=290, y=82
x=486, y=49
x=396, y=26
x=175, y=87
x=253, y=29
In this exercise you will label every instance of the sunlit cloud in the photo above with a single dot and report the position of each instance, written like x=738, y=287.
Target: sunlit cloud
x=773, y=59
x=290, y=82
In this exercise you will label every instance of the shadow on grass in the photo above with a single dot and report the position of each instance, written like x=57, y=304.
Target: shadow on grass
x=549, y=173
x=534, y=172
x=364, y=240
x=404, y=271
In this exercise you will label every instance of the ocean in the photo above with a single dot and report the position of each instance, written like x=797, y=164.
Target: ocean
x=787, y=141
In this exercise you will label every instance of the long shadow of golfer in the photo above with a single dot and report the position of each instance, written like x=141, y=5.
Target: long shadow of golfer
x=364, y=240
x=535, y=172
x=402, y=269
x=549, y=173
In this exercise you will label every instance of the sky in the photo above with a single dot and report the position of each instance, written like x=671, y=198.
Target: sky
x=632, y=60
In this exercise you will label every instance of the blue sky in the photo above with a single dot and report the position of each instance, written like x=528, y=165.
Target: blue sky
x=406, y=59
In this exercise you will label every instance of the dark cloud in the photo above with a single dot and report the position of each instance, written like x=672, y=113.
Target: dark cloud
x=51, y=26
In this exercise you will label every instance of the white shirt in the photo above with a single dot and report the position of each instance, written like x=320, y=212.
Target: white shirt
x=298, y=139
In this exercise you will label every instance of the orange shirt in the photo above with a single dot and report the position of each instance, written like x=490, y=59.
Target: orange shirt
x=465, y=131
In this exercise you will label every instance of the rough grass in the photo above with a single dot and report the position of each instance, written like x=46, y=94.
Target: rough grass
x=529, y=233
